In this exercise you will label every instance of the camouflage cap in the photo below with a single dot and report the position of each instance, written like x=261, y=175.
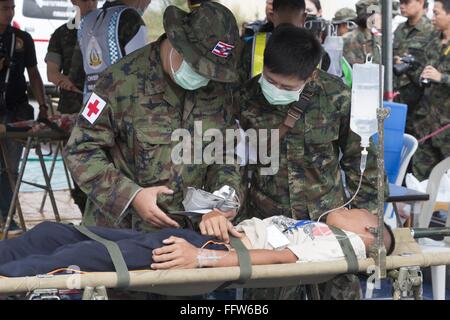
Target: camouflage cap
x=363, y=5
x=344, y=15
x=206, y=38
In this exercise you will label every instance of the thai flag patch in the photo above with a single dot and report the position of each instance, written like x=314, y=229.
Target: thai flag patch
x=222, y=49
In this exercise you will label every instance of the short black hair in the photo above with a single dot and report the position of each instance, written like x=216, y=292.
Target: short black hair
x=445, y=4
x=292, y=51
x=361, y=20
x=289, y=5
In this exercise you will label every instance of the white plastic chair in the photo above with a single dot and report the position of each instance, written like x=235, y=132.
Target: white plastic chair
x=410, y=145
x=424, y=219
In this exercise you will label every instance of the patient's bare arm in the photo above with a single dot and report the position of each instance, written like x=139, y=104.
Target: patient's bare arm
x=180, y=254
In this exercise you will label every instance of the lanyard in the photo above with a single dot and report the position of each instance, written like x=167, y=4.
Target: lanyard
x=8, y=71
x=299, y=224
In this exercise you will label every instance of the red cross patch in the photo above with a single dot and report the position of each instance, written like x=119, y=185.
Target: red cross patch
x=94, y=108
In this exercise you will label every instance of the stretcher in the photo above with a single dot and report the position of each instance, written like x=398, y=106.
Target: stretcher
x=187, y=282
x=54, y=131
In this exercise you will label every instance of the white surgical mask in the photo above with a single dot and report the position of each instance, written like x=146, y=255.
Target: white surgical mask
x=186, y=77
x=276, y=96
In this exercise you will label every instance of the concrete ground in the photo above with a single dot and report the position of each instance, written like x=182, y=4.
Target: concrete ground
x=31, y=202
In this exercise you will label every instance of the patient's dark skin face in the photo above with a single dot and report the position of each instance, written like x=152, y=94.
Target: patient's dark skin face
x=358, y=221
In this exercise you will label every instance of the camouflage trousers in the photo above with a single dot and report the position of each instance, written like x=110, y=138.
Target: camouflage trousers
x=344, y=287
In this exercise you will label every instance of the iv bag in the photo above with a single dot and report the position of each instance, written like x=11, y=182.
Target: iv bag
x=365, y=100
x=334, y=46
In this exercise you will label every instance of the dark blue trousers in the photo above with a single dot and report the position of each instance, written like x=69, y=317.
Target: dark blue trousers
x=50, y=246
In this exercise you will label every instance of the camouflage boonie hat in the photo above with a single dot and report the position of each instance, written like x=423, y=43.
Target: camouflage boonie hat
x=207, y=39
x=344, y=15
x=363, y=5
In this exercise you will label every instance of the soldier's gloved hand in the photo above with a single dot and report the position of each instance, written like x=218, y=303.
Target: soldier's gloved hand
x=145, y=204
x=217, y=224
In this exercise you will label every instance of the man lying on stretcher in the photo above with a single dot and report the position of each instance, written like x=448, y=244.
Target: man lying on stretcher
x=50, y=246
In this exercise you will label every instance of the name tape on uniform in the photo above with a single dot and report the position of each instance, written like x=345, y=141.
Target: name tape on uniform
x=93, y=108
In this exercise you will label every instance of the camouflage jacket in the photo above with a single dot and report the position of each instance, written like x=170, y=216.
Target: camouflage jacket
x=60, y=51
x=357, y=44
x=129, y=146
x=309, y=181
x=435, y=104
x=412, y=40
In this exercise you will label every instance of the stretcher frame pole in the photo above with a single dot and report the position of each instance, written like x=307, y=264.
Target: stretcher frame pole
x=50, y=175
x=10, y=179
x=59, y=148
x=48, y=187
x=66, y=170
x=15, y=198
x=69, y=183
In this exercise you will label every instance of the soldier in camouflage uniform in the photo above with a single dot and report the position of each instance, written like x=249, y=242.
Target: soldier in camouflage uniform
x=59, y=61
x=342, y=19
x=122, y=159
x=411, y=38
x=308, y=182
x=435, y=103
x=360, y=42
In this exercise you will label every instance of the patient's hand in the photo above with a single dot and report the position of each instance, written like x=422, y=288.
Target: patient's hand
x=216, y=224
x=176, y=254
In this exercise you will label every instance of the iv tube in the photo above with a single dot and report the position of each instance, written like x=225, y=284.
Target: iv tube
x=362, y=167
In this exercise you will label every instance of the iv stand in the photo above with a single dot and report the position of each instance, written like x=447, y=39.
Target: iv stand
x=378, y=251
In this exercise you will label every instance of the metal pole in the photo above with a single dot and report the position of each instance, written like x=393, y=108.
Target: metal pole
x=378, y=250
x=430, y=232
x=387, y=44
x=16, y=191
x=66, y=170
x=50, y=176
x=11, y=180
x=47, y=181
